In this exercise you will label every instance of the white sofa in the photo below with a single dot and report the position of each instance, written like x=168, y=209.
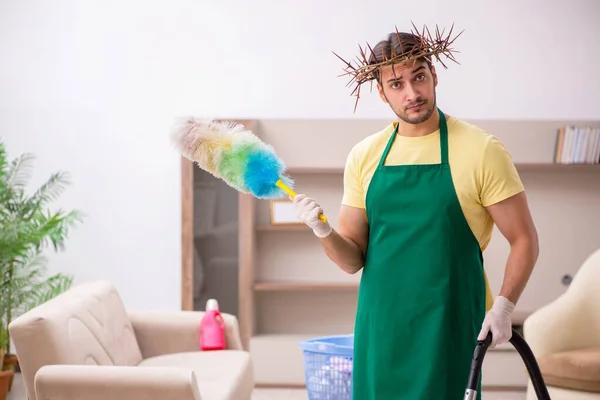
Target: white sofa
x=565, y=337
x=84, y=344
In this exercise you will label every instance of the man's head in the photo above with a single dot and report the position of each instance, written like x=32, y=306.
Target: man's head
x=407, y=87
x=401, y=65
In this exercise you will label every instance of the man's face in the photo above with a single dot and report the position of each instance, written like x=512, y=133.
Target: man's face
x=409, y=89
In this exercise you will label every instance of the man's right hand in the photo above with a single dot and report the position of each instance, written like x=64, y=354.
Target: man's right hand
x=307, y=210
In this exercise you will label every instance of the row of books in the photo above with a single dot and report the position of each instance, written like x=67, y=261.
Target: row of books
x=577, y=145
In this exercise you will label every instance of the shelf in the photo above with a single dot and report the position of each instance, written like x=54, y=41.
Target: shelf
x=524, y=166
x=305, y=286
x=283, y=228
x=556, y=167
x=518, y=317
x=316, y=170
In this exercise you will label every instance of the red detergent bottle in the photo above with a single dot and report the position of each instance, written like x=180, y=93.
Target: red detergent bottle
x=212, y=328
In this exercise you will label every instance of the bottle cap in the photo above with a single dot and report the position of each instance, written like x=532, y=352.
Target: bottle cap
x=212, y=305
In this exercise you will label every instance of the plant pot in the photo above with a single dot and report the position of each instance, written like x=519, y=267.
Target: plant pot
x=6, y=378
x=9, y=364
x=10, y=360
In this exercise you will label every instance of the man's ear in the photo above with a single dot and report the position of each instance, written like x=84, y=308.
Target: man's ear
x=381, y=93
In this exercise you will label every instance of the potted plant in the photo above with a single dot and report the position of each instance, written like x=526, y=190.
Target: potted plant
x=28, y=229
x=6, y=375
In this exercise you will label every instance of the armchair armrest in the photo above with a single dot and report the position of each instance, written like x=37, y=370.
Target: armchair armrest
x=561, y=325
x=92, y=382
x=168, y=332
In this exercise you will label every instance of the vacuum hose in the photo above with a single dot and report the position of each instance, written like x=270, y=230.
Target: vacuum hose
x=526, y=354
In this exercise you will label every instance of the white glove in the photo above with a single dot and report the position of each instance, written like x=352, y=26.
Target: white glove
x=307, y=210
x=498, y=321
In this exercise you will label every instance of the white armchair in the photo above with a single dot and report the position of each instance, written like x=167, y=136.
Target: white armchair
x=85, y=344
x=564, y=335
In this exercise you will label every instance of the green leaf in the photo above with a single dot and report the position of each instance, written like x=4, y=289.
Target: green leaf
x=29, y=228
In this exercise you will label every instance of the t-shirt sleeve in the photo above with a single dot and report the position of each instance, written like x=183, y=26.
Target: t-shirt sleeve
x=499, y=178
x=353, y=195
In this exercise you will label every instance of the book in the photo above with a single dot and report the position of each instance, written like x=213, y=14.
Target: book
x=577, y=145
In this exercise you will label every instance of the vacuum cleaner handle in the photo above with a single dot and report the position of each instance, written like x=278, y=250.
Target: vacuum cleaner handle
x=526, y=354
x=476, y=363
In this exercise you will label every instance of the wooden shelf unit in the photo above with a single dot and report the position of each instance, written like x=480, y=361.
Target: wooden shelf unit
x=282, y=228
x=265, y=292
x=252, y=230
x=303, y=286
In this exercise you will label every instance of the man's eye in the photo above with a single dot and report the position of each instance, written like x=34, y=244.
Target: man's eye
x=420, y=77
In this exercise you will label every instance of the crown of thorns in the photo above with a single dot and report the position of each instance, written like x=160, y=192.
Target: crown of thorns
x=425, y=45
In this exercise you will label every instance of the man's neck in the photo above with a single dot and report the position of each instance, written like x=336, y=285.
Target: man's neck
x=422, y=129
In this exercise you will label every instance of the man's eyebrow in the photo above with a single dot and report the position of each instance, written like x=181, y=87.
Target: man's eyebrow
x=397, y=78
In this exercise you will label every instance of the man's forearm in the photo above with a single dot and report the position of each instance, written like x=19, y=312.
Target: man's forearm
x=519, y=266
x=344, y=252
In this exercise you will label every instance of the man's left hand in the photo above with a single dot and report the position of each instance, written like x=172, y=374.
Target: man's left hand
x=498, y=321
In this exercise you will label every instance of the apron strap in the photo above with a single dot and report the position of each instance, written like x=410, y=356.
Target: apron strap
x=443, y=137
x=443, y=141
x=388, y=146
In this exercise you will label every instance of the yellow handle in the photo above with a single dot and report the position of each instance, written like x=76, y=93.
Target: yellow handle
x=292, y=194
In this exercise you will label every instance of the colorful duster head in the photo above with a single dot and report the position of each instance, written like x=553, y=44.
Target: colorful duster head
x=233, y=154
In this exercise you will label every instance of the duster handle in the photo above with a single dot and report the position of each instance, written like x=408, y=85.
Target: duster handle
x=292, y=194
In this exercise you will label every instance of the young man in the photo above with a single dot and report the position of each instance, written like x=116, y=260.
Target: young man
x=419, y=204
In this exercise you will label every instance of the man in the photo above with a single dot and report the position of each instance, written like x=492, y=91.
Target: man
x=419, y=204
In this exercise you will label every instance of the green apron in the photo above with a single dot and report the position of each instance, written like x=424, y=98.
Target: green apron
x=422, y=293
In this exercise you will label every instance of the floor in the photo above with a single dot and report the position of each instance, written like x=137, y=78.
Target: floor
x=18, y=393
x=271, y=394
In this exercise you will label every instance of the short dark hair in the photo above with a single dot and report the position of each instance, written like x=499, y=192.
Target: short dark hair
x=396, y=44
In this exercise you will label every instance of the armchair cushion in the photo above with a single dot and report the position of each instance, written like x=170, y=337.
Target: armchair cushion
x=221, y=375
x=92, y=382
x=574, y=369
x=167, y=332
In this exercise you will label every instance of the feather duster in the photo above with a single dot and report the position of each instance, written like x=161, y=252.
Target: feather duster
x=232, y=153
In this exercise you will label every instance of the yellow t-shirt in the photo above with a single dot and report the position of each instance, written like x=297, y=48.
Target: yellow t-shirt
x=482, y=170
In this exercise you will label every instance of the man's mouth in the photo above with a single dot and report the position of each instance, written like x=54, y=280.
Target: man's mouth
x=415, y=106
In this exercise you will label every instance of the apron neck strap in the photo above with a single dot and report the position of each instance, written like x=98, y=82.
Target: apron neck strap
x=443, y=140
x=443, y=137
x=387, y=147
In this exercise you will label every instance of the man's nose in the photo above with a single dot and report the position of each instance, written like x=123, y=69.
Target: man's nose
x=411, y=93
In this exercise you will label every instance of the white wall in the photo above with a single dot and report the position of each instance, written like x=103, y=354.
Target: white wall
x=83, y=83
